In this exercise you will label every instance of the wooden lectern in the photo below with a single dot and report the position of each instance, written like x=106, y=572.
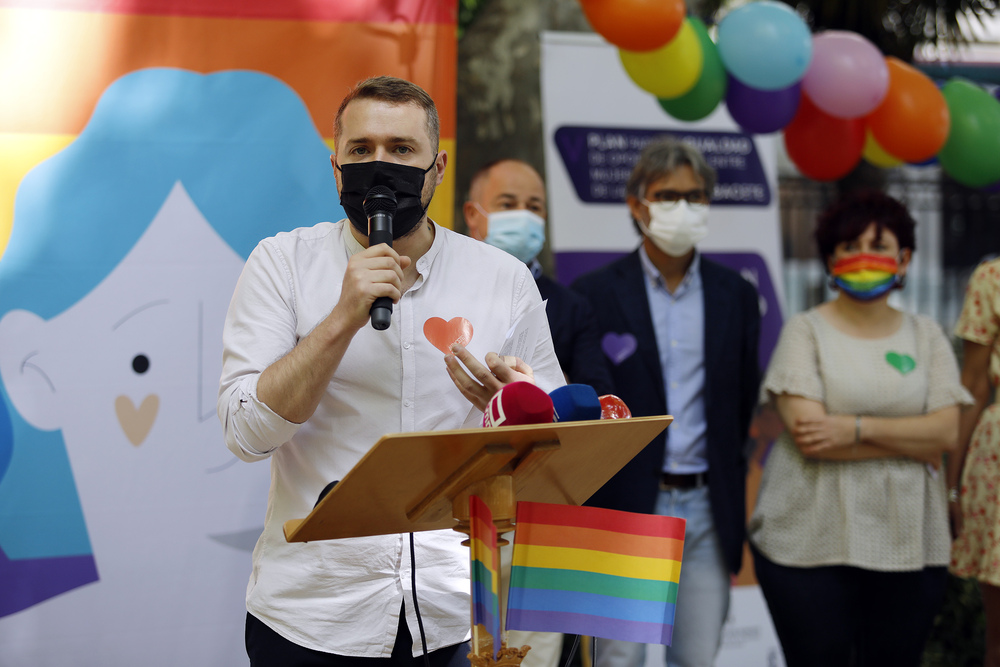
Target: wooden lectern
x=422, y=481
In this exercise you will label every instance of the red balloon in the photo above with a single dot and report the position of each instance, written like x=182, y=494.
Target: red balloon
x=913, y=121
x=823, y=147
x=613, y=407
x=635, y=25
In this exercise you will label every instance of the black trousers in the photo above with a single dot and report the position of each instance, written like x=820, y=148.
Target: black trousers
x=840, y=616
x=267, y=648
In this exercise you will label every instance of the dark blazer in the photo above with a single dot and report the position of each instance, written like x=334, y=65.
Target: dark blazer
x=575, y=336
x=732, y=375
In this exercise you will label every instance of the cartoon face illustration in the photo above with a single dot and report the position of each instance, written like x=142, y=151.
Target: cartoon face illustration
x=116, y=374
x=125, y=524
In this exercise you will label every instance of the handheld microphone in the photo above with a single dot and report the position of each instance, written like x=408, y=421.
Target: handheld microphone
x=575, y=402
x=380, y=206
x=518, y=403
x=613, y=407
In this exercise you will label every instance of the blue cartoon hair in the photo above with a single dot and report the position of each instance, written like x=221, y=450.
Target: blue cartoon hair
x=245, y=148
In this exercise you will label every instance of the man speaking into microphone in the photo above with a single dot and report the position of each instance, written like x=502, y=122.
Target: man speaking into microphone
x=310, y=384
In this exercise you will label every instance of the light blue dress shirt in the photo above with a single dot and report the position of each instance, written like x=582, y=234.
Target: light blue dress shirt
x=679, y=324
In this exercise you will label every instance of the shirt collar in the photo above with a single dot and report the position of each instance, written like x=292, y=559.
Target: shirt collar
x=350, y=242
x=423, y=264
x=691, y=277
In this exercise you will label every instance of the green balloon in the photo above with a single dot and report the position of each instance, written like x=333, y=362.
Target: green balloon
x=971, y=155
x=710, y=88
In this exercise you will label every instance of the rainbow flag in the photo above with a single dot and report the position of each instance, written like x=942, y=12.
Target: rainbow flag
x=485, y=577
x=596, y=572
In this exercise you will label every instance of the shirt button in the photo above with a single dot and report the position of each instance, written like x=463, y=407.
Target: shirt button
x=673, y=343
x=673, y=385
x=406, y=403
x=406, y=345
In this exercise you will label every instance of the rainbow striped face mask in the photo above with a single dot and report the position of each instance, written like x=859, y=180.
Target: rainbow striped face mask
x=865, y=277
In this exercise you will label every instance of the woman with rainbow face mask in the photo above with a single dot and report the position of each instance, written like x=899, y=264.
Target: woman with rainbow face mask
x=850, y=531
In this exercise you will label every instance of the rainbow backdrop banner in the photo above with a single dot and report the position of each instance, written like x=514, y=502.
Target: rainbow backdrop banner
x=61, y=55
x=596, y=572
x=485, y=571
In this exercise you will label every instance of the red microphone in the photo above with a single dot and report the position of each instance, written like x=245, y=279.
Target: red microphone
x=518, y=403
x=613, y=407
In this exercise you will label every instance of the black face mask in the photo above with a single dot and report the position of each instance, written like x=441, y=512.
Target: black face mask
x=406, y=182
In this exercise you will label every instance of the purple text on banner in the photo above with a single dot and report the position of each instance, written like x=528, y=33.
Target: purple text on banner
x=600, y=159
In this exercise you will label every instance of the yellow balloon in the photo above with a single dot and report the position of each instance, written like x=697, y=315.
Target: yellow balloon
x=876, y=155
x=670, y=71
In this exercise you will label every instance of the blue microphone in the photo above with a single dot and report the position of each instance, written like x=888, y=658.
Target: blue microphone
x=575, y=402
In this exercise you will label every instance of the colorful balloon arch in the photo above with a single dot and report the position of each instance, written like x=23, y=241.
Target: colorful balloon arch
x=836, y=98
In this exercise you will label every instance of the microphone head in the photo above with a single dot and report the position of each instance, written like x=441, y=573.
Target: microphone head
x=518, y=403
x=613, y=407
x=575, y=402
x=379, y=199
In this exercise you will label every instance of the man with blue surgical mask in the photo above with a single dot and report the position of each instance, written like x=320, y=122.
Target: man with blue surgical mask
x=692, y=328
x=506, y=208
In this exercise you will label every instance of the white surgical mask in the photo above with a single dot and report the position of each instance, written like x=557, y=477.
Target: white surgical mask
x=676, y=227
x=518, y=232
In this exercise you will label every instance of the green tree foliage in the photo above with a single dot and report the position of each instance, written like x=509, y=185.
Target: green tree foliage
x=897, y=26
x=467, y=10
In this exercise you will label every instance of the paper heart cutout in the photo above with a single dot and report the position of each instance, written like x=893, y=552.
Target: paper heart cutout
x=443, y=334
x=136, y=423
x=619, y=347
x=903, y=363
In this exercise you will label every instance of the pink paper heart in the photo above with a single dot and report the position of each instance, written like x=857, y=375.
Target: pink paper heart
x=443, y=334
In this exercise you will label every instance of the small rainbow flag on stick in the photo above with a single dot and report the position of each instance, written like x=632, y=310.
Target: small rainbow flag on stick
x=485, y=578
x=596, y=572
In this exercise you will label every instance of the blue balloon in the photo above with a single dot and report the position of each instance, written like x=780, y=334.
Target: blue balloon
x=765, y=45
x=762, y=111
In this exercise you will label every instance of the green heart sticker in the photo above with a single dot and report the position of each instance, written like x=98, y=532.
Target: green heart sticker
x=903, y=363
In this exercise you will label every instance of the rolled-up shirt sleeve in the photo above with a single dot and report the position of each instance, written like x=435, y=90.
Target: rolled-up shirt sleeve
x=260, y=329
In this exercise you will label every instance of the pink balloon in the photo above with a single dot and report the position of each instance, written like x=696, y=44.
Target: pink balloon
x=847, y=77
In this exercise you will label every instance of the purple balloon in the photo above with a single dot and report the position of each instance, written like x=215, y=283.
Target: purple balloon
x=762, y=111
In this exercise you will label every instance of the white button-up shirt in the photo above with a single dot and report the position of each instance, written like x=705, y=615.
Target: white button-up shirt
x=344, y=596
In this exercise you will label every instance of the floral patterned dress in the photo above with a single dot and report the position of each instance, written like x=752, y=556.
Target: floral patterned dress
x=976, y=552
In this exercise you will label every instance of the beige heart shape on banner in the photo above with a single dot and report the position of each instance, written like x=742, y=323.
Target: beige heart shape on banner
x=136, y=423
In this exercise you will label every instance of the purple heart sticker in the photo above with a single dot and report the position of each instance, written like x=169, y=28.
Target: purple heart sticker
x=618, y=347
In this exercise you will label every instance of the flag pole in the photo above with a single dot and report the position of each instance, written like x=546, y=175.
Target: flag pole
x=497, y=494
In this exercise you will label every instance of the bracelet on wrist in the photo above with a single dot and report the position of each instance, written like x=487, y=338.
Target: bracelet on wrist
x=953, y=494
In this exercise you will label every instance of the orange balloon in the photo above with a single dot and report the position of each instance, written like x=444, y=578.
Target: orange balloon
x=912, y=123
x=823, y=147
x=876, y=155
x=635, y=25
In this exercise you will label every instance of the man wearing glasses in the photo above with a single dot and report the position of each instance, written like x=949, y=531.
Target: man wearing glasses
x=681, y=334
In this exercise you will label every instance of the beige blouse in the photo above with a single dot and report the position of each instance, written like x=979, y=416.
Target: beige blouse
x=879, y=514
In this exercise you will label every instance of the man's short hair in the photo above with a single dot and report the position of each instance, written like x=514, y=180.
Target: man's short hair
x=479, y=178
x=663, y=156
x=394, y=91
